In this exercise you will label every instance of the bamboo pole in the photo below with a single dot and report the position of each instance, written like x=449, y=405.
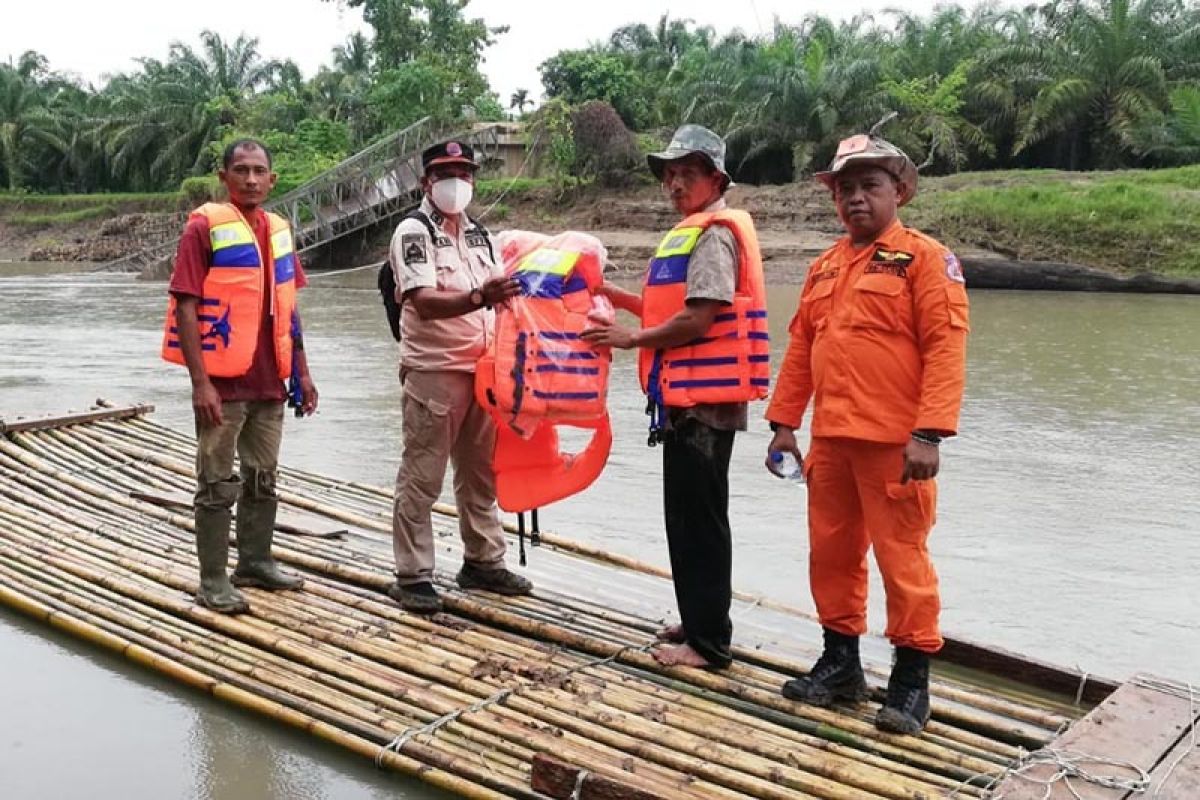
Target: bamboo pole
x=567, y=623
x=239, y=697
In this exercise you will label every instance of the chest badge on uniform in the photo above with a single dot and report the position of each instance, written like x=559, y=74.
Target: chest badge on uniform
x=412, y=245
x=889, y=262
x=476, y=240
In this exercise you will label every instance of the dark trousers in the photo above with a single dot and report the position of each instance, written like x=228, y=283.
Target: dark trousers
x=696, y=500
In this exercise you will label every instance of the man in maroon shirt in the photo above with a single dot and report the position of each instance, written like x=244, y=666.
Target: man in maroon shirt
x=242, y=413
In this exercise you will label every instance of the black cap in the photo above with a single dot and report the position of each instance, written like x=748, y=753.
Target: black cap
x=451, y=152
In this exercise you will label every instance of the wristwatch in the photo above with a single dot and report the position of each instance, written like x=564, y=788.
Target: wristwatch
x=477, y=298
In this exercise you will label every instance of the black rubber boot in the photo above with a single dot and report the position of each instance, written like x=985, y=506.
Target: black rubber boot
x=906, y=709
x=256, y=510
x=837, y=675
x=212, y=548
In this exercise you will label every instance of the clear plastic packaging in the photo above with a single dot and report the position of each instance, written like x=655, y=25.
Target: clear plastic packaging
x=784, y=465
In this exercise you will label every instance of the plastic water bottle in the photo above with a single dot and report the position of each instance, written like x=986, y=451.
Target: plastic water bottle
x=785, y=466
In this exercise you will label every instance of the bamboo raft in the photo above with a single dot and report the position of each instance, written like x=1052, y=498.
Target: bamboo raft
x=549, y=696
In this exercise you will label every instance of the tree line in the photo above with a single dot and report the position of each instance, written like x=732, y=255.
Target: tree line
x=1071, y=84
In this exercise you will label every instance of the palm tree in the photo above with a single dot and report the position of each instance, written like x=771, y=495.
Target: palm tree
x=790, y=93
x=353, y=57
x=520, y=99
x=25, y=121
x=1088, y=80
x=164, y=118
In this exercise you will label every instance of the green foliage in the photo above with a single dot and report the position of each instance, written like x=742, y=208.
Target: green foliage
x=1076, y=84
x=46, y=220
x=576, y=76
x=552, y=127
x=199, y=190
x=1128, y=221
x=315, y=146
x=490, y=188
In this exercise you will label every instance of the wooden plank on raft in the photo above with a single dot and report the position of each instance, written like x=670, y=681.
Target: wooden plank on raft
x=296, y=523
x=1177, y=776
x=1026, y=670
x=561, y=781
x=79, y=418
x=1137, y=724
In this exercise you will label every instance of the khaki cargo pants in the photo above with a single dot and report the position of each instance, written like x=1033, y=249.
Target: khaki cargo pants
x=251, y=429
x=443, y=423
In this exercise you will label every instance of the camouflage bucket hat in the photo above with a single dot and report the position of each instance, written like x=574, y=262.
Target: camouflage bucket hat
x=692, y=140
x=864, y=148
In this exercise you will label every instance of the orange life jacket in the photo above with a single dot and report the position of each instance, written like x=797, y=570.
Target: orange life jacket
x=731, y=362
x=230, y=310
x=538, y=373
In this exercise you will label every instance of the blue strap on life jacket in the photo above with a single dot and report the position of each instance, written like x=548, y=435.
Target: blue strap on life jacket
x=518, y=376
x=295, y=391
x=654, y=400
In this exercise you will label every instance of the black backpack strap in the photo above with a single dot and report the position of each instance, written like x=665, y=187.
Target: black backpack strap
x=424, y=219
x=487, y=237
x=385, y=281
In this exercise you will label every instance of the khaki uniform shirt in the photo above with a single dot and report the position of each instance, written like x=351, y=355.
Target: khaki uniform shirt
x=458, y=263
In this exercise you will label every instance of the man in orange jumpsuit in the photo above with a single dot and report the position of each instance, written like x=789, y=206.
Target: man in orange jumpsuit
x=879, y=344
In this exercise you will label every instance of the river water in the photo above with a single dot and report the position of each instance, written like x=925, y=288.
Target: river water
x=1069, y=519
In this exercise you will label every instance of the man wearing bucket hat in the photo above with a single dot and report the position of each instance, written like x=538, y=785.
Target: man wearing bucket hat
x=879, y=341
x=447, y=276
x=703, y=355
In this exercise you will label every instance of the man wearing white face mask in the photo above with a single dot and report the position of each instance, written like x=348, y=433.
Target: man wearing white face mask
x=448, y=280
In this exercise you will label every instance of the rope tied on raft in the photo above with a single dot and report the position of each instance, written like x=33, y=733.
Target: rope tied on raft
x=397, y=744
x=1069, y=765
x=577, y=792
x=1185, y=690
x=1082, y=684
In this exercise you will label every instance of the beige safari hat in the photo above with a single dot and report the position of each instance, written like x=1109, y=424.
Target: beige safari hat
x=865, y=148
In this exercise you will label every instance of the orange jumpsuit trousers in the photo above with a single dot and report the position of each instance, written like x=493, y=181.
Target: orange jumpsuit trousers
x=856, y=500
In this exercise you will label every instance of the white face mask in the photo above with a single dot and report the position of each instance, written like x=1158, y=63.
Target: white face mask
x=452, y=195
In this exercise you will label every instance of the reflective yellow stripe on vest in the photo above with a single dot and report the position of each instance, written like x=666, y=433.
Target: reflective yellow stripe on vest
x=679, y=242
x=549, y=261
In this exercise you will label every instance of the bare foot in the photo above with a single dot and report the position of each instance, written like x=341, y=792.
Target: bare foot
x=671, y=633
x=681, y=655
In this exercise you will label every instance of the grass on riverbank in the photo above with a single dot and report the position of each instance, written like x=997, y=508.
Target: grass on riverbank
x=1130, y=221
x=48, y=210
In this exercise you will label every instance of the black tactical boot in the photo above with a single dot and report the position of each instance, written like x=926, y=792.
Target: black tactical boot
x=837, y=675
x=906, y=709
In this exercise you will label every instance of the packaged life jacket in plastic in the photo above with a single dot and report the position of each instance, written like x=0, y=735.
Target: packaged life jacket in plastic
x=539, y=373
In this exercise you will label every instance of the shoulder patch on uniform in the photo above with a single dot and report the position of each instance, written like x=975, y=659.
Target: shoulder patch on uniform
x=412, y=246
x=954, y=268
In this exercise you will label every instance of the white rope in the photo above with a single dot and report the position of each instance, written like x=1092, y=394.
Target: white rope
x=397, y=744
x=1068, y=765
x=1191, y=694
x=1082, y=683
x=577, y=792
